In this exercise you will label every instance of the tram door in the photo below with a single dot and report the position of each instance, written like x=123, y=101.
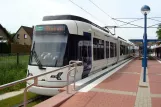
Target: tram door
x=85, y=55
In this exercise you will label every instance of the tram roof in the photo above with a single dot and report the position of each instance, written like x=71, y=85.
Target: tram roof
x=72, y=17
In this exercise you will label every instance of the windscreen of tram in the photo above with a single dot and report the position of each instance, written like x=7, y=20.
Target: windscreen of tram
x=49, y=44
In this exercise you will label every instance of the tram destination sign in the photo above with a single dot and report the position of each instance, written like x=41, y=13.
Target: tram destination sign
x=50, y=29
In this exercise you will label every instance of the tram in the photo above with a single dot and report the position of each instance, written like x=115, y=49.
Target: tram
x=57, y=40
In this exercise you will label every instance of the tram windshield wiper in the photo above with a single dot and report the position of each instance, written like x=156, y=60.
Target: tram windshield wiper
x=34, y=54
x=56, y=62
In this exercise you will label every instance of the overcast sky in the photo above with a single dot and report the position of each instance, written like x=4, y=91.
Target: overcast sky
x=15, y=13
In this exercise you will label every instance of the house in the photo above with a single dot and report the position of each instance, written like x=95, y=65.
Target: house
x=23, y=36
x=5, y=40
x=4, y=35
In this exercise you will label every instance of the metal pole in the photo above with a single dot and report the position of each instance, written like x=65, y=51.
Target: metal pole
x=145, y=46
x=17, y=58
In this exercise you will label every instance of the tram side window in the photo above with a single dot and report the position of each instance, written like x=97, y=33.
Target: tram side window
x=78, y=48
x=115, y=49
x=72, y=53
x=130, y=49
x=121, y=50
x=107, y=49
x=101, y=49
x=111, y=49
x=98, y=49
x=95, y=47
x=126, y=50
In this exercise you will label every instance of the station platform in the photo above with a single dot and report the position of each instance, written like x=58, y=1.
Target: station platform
x=122, y=89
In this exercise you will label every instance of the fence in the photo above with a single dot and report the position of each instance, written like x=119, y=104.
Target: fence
x=14, y=48
x=14, y=59
x=18, y=48
x=71, y=67
x=13, y=67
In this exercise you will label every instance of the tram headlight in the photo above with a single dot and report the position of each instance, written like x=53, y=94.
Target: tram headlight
x=29, y=74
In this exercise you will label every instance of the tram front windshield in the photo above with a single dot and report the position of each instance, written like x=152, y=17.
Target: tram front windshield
x=49, y=47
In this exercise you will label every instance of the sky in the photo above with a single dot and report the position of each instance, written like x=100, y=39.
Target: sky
x=15, y=13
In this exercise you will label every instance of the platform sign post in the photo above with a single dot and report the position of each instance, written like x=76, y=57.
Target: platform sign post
x=145, y=10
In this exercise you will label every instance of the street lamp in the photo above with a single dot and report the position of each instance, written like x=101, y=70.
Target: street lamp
x=145, y=10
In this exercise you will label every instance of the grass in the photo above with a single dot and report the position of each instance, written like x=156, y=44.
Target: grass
x=11, y=71
x=34, y=103
x=12, y=59
x=9, y=102
x=37, y=101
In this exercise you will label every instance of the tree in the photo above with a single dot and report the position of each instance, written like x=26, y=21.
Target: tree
x=159, y=32
x=11, y=34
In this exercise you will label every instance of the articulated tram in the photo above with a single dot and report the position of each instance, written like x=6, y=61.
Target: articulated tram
x=64, y=38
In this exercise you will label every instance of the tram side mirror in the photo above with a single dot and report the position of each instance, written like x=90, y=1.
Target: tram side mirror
x=79, y=63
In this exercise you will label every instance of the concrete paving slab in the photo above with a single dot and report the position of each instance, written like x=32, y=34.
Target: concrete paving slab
x=156, y=102
x=123, y=89
x=122, y=82
x=11, y=94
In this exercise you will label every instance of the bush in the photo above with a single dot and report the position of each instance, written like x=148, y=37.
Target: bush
x=10, y=71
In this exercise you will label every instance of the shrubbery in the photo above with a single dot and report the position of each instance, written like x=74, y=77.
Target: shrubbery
x=10, y=71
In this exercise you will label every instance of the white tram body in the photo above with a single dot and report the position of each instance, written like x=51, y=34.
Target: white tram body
x=60, y=39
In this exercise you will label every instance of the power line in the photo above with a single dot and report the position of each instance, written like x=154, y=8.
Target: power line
x=116, y=19
x=131, y=21
x=83, y=9
x=134, y=18
x=136, y=27
x=127, y=18
x=127, y=23
x=102, y=10
x=128, y=27
x=154, y=25
x=87, y=12
x=154, y=19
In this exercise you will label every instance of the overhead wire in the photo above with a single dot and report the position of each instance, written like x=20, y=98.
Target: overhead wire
x=87, y=12
x=127, y=23
x=135, y=27
x=151, y=18
x=127, y=18
x=102, y=10
x=154, y=19
x=154, y=25
x=116, y=19
x=131, y=21
x=134, y=18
